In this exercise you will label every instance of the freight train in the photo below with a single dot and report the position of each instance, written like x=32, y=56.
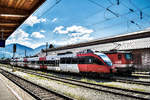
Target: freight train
x=85, y=61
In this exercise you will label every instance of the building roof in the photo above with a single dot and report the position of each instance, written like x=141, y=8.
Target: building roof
x=130, y=41
x=104, y=41
x=13, y=13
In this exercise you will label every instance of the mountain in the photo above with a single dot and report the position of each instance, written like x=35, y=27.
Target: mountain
x=7, y=52
x=20, y=51
x=38, y=49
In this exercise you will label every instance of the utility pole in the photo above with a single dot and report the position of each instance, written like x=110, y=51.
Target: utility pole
x=14, y=51
x=25, y=53
x=46, y=47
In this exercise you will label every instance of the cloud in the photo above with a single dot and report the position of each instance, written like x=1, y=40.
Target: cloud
x=43, y=31
x=75, y=34
x=37, y=35
x=34, y=20
x=59, y=30
x=18, y=36
x=54, y=20
x=73, y=40
x=75, y=30
x=22, y=38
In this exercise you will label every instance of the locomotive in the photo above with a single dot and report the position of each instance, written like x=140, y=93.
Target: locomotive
x=122, y=61
x=86, y=61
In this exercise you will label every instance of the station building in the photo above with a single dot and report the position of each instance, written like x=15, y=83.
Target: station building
x=137, y=42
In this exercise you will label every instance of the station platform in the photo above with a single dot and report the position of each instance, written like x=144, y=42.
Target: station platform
x=5, y=93
x=10, y=91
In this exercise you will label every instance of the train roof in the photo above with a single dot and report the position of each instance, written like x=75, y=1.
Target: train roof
x=115, y=51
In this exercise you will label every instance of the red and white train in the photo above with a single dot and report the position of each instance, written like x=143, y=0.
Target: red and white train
x=86, y=61
x=122, y=61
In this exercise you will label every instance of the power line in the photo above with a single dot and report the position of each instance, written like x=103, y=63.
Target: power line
x=104, y=7
x=51, y=7
x=108, y=19
x=141, y=13
x=120, y=23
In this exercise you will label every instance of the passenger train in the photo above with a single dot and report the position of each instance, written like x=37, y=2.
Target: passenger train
x=85, y=61
x=122, y=61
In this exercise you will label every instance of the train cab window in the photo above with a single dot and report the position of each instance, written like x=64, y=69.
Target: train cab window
x=128, y=56
x=97, y=61
x=119, y=56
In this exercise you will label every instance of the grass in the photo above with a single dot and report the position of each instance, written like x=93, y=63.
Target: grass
x=114, y=85
x=87, y=80
x=66, y=93
x=69, y=85
x=111, y=85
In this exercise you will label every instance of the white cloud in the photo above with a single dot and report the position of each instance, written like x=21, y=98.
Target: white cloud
x=59, y=30
x=54, y=20
x=22, y=38
x=43, y=31
x=37, y=35
x=34, y=20
x=76, y=34
x=18, y=36
x=75, y=30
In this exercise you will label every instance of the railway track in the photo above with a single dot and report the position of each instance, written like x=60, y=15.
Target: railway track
x=38, y=92
x=113, y=90
x=132, y=81
x=141, y=76
x=142, y=73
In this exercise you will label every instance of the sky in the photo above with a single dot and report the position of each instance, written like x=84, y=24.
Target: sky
x=65, y=22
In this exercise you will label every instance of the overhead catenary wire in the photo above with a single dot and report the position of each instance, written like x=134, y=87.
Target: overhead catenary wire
x=115, y=14
x=114, y=25
x=141, y=12
x=112, y=18
x=51, y=7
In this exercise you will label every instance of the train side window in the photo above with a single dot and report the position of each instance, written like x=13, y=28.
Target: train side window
x=89, y=60
x=74, y=60
x=119, y=56
x=32, y=62
x=97, y=61
x=40, y=62
x=81, y=60
x=68, y=60
x=62, y=60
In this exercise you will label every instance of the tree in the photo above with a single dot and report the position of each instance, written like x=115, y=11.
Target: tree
x=51, y=46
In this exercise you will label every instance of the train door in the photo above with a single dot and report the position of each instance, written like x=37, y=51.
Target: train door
x=63, y=65
x=82, y=64
x=72, y=65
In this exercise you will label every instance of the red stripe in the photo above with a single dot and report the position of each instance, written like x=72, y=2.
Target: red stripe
x=43, y=67
x=93, y=68
x=25, y=59
x=42, y=58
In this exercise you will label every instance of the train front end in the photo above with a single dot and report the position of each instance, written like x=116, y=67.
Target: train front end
x=122, y=62
x=94, y=62
x=106, y=62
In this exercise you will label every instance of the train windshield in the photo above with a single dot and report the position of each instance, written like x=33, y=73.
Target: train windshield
x=105, y=58
x=128, y=56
